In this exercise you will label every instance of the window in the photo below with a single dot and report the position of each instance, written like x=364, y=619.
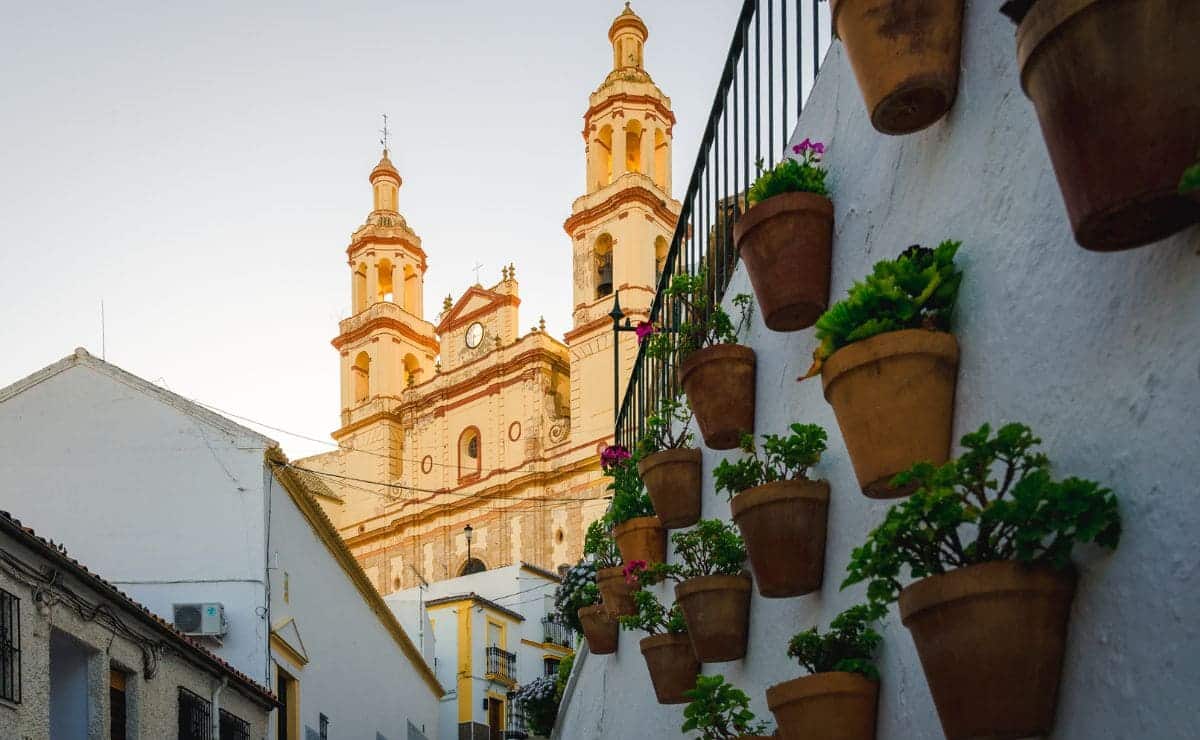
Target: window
x=10, y=647
x=550, y=666
x=324, y=727
x=469, y=456
x=362, y=377
x=474, y=565
x=234, y=727
x=287, y=716
x=117, y=705
x=195, y=716
x=384, y=281
x=603, y=255
x=633, y=147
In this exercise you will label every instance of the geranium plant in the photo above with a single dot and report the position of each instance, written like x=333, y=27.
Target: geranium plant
x=667, y=428
x=783, y=458
x=997, y=501
x=917, y=290
x=848, y=646
x=710, y=548
x=800, y=174
x=577, y=590
x=539, y=701
x=629, y=497
x=720, y=710
x=600, y=547
x=705, y=321
x=652, y=617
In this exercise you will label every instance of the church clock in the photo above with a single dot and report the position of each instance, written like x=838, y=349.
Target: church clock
x=474, y=335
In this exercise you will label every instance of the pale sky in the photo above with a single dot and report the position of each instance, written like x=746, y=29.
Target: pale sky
x=199, y=167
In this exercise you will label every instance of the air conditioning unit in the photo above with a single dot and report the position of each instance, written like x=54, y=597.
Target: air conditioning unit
x=201, y=620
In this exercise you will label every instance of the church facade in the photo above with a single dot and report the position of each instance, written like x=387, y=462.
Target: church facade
x=463, y=420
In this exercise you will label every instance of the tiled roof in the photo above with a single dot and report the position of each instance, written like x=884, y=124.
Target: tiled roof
x=187, y=645
x=480, y=600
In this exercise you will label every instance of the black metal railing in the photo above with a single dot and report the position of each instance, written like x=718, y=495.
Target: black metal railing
x=10, y=647
x=772, y=63
x=556, y=631
x=234, y=727
x=501, y=664
x=195, y=716
x=515, y=728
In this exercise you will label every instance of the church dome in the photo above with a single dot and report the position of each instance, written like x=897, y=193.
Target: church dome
x=385, y=167
x=628, y=19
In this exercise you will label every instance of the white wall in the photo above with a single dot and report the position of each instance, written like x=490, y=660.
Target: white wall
x=112, y=473
x=358, y=675
x=1099, y=353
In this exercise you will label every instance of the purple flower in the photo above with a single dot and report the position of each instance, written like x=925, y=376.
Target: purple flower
x=644, y=329
x=802, y=146
x=613, y=455
x=818, y=147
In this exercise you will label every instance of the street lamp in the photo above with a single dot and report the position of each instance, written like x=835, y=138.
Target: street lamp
x=468, y=531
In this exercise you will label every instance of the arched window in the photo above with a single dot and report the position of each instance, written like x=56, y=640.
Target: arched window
x=633, y=147
x=604, y=144
x=474, y=565
x=660, y=257
x=386, y=292
x=358, y=289
x=469, y=453
x=603, y=255
x=662, y=160
x=412, y=291
x=412, y=370
x=362, y=377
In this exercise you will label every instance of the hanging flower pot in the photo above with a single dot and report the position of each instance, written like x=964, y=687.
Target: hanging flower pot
x=889, y=365
x=831, y=706
x=991, y=639
x=672, y=664
x=641, y=538
x=615, y=593
x=599, y=628
x=672, y=479
x=786, y=237
x=719, y=383
x=717, y=610
x=1115, y=86
x=905, y=55
x=783, y=524
x=893, y=395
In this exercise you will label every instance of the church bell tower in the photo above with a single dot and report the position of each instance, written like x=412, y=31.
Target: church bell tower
x=621, y=227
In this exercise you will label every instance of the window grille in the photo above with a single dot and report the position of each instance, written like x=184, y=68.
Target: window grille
x=324, y=727
x=234, y=727
x=501, y=664
x=195, y=716
x=10, y=647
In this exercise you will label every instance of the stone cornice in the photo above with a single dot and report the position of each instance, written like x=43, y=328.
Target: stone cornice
x=637, y=192
x=372, y=320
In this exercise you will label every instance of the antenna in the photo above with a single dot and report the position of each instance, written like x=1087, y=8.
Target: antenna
x=103, y=354
x=385, y=137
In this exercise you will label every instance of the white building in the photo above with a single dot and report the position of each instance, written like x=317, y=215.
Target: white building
x=491, y=632
x=178, y=505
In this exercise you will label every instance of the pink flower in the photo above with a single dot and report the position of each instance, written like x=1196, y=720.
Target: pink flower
x=644, y=329
x=632, y=570
x=802, y=146
x=818, y=147
x=613, y=455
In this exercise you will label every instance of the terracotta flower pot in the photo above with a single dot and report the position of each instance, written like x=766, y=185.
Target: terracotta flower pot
x=673, y=666
x=785, y=242
x=991, y=639
x=905, y=56
x=616, y=594
x=717, y=612
x=719, y=383
x=641, y=538
x=783, y=525
x=672, y=479
x=830, y=706
x=600, y=629
x=1115, y=88
x=893, y=395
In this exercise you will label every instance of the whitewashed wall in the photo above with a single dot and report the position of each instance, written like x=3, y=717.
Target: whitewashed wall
x=1099, y=353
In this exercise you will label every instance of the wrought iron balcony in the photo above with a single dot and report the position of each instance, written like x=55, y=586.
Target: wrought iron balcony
x=772, y=63
x=501, y=665
x=556, y=631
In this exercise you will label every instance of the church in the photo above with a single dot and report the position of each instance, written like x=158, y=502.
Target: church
x=465, y=445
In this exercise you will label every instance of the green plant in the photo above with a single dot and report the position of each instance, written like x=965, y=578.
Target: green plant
x=719, y=710
x=1190, y=182
x=710, y=548
x=563, y=674
x=917, y=290
x=577, y=590
x=848, y=646
x=784, y=458
x=705, y=322
x=803, y=175
x=629, y=497
x=600, y=546
x=652, y=617
x=997, y=501
x=666, y=427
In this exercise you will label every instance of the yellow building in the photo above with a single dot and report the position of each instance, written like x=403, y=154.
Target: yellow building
x=468, y=421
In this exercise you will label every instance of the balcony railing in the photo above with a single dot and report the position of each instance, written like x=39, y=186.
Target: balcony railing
x=557, y=632
x=772, y=62
x=501, y=665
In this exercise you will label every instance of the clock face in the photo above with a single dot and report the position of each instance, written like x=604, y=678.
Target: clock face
x=474, y=335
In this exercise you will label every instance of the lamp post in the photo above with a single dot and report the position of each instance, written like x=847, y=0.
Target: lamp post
x=617, y=314
x=468, y=531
